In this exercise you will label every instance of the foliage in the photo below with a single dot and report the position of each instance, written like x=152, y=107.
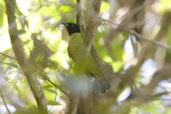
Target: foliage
x=132, y=39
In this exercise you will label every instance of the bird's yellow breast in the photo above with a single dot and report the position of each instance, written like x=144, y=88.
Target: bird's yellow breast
x=74, y=48
x=74, y=44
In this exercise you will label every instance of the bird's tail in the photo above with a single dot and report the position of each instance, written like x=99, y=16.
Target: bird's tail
x=102, y=84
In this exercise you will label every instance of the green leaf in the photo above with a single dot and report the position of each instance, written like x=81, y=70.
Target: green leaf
x=53, y=102
x=1, y=17
x=104, y=6
x=163, y=6
x=2, y=11
x=168, y=36
x=125, y=34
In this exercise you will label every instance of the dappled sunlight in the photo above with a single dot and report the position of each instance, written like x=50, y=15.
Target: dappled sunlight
x=85, y=57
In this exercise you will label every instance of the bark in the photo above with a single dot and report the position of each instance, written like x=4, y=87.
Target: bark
x=18, y=50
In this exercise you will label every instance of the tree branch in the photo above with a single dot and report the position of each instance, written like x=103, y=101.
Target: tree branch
x=7, y=56
x=149, y=40
x=78, y=16
x=18, y=49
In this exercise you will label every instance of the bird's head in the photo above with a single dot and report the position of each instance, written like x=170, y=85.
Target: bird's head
x=72, y=28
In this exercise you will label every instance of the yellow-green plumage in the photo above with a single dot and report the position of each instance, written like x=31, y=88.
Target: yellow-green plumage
x=74, y=48
x=93, y=67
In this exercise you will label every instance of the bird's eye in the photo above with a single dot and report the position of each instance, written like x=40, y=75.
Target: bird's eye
x=72, y=25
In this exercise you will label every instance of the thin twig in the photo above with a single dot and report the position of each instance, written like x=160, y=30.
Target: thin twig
x=166, y=99
x=9, y=64
x=49, y=111
x=56, y=86
x=149, y=39
x=78, y=17
x=7, y=56
x=121, y=27
x=3, y=100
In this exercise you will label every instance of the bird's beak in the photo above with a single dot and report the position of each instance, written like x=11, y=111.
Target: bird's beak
x=65, y=24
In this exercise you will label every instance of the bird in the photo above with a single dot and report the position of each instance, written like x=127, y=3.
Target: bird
x=93, y=68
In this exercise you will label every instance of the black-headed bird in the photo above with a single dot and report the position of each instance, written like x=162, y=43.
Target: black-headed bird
x=93, y=67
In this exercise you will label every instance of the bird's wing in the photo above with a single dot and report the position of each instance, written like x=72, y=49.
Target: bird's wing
x=95, y=57
x=74, y=45
x=70, y=54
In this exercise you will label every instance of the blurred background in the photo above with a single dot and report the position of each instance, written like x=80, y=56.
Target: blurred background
x=133, y=38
